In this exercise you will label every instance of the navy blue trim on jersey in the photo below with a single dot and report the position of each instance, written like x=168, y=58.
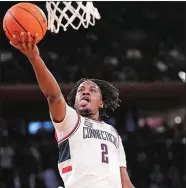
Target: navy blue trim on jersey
x=64, y=151
x=72, y=132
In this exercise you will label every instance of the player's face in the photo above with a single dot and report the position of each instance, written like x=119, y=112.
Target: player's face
x=88, y=99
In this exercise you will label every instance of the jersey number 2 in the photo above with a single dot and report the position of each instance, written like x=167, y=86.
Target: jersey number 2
x=104, y=153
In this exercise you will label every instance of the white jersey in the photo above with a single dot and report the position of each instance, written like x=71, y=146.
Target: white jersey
x=90, y=152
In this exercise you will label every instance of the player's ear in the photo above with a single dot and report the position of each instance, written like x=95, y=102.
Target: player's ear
x=101, y=104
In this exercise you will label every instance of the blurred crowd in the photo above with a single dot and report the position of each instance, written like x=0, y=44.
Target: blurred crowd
x=155, y=159
x=26, y=160
x=96, y=57
x=127, y=44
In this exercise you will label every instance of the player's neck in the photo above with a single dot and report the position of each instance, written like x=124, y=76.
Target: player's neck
x=95, y=117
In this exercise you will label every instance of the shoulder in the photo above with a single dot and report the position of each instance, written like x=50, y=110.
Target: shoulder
x=112, y=129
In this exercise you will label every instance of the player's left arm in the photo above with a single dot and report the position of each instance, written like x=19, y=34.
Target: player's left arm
x=125, y=180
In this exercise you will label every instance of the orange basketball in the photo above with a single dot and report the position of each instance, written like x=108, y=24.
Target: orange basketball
x=25, y=17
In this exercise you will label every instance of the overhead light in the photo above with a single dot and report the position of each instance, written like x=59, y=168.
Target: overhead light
x=177, y=120
x=182, y=76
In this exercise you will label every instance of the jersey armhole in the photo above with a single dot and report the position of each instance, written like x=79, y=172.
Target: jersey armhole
x=70, y=133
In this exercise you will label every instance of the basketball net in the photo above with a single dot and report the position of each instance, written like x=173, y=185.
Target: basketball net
x=71, y=13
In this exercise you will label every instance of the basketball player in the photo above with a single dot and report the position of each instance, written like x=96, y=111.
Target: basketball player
x=91, y=154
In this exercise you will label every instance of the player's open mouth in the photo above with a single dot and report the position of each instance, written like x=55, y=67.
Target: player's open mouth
x=84, y=101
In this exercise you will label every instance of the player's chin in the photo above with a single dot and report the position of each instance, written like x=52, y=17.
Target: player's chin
x=85, y=111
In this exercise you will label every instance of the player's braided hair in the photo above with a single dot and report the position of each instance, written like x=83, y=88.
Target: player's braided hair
x=110, y=95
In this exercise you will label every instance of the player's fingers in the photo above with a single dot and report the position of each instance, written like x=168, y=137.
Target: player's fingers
x=29, y=41
x=22, y=41
x=14, y=45
x=35, y=39
x=14, y=41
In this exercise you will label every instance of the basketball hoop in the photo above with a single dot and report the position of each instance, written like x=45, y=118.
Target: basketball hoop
x=72, y=13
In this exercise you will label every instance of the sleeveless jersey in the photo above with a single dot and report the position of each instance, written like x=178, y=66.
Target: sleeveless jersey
x=90, y=152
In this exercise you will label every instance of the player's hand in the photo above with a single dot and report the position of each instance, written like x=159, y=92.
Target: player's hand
x=26, y=44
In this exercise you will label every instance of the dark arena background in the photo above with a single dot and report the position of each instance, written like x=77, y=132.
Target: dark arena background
x=138, y=46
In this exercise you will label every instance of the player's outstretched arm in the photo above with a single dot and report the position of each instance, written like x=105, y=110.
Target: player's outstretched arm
x=46, y=81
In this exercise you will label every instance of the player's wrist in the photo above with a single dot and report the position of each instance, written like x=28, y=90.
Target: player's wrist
x=34, y=58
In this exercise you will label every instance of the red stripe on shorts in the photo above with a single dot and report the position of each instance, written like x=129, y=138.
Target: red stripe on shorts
x=66, y=169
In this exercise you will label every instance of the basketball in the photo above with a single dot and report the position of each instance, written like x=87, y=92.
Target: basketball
x=25, y=17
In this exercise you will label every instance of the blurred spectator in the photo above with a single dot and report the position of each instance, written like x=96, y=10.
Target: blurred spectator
x=7, y=163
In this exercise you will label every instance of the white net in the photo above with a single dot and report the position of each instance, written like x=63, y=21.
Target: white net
x=72, y=13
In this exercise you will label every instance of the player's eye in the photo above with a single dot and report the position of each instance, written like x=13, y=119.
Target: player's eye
x=80, y=90
x=92, y=90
